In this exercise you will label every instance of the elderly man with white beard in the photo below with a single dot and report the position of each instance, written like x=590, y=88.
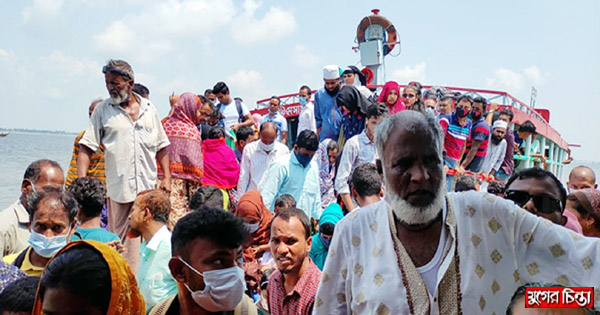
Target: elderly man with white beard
x=134, y=140
x=424, y=251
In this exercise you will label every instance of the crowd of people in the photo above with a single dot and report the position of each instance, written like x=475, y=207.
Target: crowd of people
x=373, y=206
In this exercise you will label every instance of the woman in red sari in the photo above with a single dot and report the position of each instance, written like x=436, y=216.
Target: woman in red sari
x=185, y=155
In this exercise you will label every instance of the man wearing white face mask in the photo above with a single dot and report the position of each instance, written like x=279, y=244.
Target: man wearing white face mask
x=206, y=246
x=52, y=223
x=306, y=119
x=257, y=157
x=14, y=220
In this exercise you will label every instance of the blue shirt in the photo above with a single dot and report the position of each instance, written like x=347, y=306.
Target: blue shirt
x=153, y=275
x=327, y=115
x=278, y=120
x=288, y=176
x=95, y=234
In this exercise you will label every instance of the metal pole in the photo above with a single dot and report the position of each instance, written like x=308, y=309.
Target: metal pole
x=551, y=156
x=543, y=148
x=527, y=149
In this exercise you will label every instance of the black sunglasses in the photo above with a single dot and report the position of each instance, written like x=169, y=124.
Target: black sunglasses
x=543, y=203
x=408, y=95
x=114, y=70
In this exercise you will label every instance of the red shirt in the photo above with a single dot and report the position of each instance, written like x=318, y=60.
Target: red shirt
x=301, y=300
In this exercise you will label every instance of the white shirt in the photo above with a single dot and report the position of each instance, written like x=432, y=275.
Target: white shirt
x=14, y=229
x=429, y=271
x=231, y=114
x=494, y=156
x=498, y=247
x=306, y=119
x=359, y=149
x=254, y=165
x=130, y=147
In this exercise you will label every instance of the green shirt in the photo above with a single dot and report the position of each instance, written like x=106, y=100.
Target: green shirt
x=154, y=277
x=95, y=234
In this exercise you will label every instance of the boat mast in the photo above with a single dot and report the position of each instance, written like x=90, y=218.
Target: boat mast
x=376, y=37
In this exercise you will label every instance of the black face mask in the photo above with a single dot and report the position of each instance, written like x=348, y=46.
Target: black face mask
x=334, y=92
x=475, y=114
x=461, y=112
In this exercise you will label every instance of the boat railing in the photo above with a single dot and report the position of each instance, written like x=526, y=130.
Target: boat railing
x=552, y=145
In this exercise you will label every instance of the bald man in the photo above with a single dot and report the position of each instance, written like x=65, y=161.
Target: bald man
x=257, y=158
x=581, y=177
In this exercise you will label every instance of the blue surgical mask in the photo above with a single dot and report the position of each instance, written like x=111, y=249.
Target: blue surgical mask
x=303, y=159
x=430, y=111
x=302, y=100
x=325, y=241
x=47, y=246
x=251, y=228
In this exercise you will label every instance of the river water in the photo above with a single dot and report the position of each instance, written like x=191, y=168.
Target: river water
x=19, y=149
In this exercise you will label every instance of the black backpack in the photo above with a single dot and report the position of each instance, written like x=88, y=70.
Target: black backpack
x=238, y=106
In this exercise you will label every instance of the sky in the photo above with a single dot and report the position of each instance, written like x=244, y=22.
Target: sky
x=52, y=52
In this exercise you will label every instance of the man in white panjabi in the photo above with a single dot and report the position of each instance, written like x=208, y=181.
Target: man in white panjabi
x=422, y=251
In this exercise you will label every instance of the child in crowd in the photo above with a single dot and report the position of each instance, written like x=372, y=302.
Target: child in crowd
x=89, y=193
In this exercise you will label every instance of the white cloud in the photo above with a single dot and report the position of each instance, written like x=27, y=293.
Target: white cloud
x=408, y=73
x=161, y=26
x=275, y=24
x=47, y=90
x=516, y=81
x=59, y=62
x=506, y=79
x=42, y=10
x=302, y=57
x=249, y=85
x=536, y=76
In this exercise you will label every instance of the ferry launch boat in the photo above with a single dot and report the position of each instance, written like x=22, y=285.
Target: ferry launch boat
x=377, y=38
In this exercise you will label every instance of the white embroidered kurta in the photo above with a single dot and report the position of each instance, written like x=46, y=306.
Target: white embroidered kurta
x=500, y=247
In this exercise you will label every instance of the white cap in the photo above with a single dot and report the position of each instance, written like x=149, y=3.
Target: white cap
x=331, y=72
x=500, y=124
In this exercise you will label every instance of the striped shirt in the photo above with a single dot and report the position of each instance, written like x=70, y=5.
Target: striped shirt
x=302, y=299
x=455, y=136
x=96, y=168
x=479, y=132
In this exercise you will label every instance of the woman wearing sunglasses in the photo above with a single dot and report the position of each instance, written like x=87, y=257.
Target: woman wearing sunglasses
x=411, y=96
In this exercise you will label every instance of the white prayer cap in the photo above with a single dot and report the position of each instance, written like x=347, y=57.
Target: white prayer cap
x=331, y=72
x=500, y=124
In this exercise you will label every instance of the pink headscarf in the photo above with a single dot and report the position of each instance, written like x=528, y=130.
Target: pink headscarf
x=185, y=150
x=221, y=168
x=257, y=119
x=387, y=88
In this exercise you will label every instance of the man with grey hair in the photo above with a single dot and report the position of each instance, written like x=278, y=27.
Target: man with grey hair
x=41, y=175
x=128, y=127
x=453, y=253
x=466, y=183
